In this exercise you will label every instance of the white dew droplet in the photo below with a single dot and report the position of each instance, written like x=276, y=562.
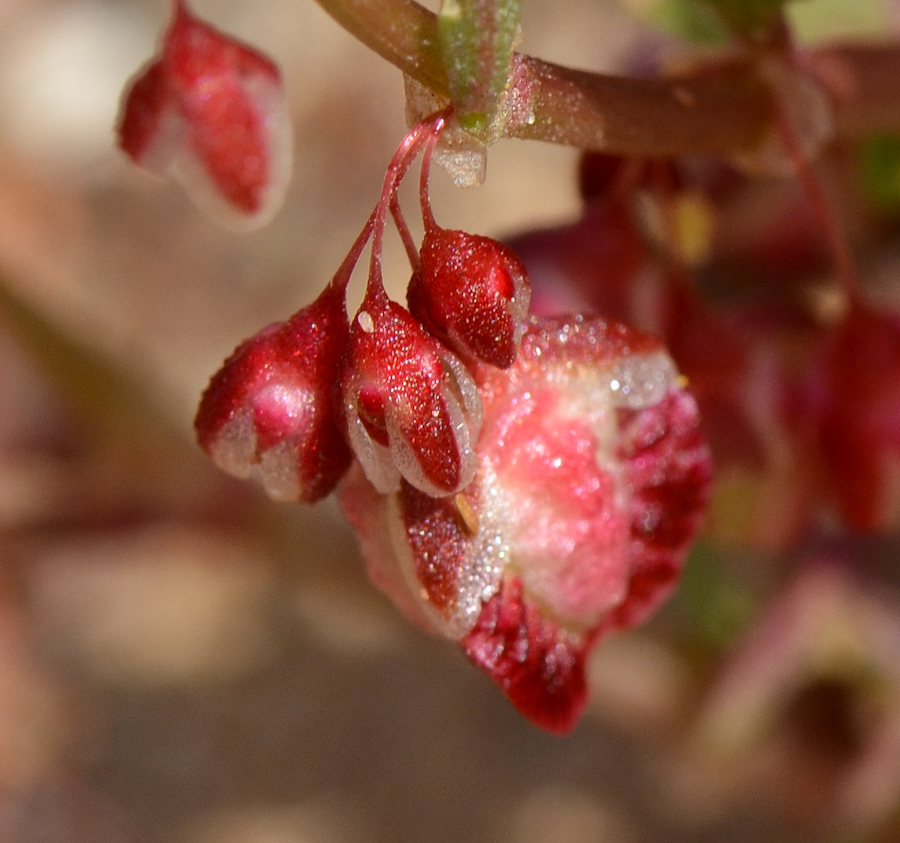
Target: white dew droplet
x=366, y=322
x=642, y=380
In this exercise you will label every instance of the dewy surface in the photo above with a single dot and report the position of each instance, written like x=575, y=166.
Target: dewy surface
x=589, y=448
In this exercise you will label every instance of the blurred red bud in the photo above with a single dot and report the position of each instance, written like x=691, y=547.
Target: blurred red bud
x=213, y=112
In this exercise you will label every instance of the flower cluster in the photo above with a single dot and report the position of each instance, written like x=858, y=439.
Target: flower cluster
x=518, y=485
x=521, y=486
x=523, y=481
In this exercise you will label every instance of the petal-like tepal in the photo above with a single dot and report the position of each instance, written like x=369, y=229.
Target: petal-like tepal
x=472, y=292
x=411, y=406
x=268, y=413
x=591, y=484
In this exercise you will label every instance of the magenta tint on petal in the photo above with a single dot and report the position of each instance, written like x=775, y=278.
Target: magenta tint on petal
x=411, y=407
x=539, y=666
x=213, y=112
x=268, y=413
x=472, y=292
x=591, y=484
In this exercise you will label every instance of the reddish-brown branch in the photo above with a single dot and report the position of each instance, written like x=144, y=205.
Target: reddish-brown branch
x=830, y=227
x=644, y=117
x=864, y=83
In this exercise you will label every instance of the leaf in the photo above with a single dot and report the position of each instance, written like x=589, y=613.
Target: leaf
x=688, y=19
x=879, y=163
x=477, y=38
x=709, y=21
x=820, y=20
x=746, y=16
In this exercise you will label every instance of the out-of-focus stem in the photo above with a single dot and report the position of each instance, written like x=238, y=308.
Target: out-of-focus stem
x=863, y=79
x=831, y=228
x=727, y=112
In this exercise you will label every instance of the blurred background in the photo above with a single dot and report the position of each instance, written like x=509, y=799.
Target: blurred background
x=183, y=661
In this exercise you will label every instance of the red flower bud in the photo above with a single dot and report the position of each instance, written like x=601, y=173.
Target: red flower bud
x=411, y=407
x=268, y=413
x=472, y=292
x=591, y=484
x=212, y=111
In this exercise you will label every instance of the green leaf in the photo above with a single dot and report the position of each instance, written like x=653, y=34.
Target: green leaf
x=707, y=22
x=716, y=604
x=688, y=19
x=879, y=160
x=744, y=17
x=714, y=22
x=477, y=39
x=820, y=20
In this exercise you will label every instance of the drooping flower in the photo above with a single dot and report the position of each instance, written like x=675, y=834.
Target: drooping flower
x=412, y=409
x=268, y=413
x=472, y=292
x=213, y=112
x=591, y=481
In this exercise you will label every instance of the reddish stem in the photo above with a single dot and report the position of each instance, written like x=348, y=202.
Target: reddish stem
x=345, y=270
x=424, y=200
x=726, y=112
x=180, y=12
x=409, y=243
x=832, y=231
x=397, y=169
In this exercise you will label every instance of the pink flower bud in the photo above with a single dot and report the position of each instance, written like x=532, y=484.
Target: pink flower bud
x=412, y=408
x=212, y=111
x=591, y=483
x=268, y=413
x=472, y=292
